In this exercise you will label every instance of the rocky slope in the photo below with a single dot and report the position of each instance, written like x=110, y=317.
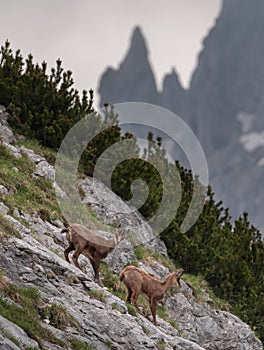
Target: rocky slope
x=224, y=104
x=70, y=310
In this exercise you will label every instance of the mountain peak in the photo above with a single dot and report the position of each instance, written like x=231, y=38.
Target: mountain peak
x=134, y=79
x=173, y=94
x=138, y=44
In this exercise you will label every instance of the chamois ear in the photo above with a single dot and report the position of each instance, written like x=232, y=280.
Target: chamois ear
x=120, y=235
x=179, y=273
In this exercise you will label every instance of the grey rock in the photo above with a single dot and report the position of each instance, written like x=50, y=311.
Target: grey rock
x=6, y=344
x=122, y=255
x=23, y=230
x=108, y=322
x=185, y=344
x=60, y=194
x=44, y=169
x=111, y=210
x=3, y=209
x=210, y=328
x=10, y=329
x=35, y=158
x=58, y=223
x=6, y=134
x=16, y=213
x=3, y=190
x=155, y=268
x=15, y=151
x=3, y=115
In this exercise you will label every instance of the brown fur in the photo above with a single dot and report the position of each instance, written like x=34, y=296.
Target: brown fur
x=86, y=242
x=139, y=282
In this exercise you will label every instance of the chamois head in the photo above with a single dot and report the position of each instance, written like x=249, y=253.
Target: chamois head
x=176, y=278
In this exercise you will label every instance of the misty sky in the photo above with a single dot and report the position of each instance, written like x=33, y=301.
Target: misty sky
x=90, y=35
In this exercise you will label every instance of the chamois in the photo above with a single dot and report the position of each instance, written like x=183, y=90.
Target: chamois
x=139, y=282
x=94, y=247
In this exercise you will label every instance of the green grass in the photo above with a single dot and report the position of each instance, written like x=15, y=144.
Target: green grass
x=12, y=339
x=131, y=309
x=141, y=252
x=35, y=146
x=97, y=294
x=24, y=312
x=149, y=256
x=30, y=195
x=161, y=344
x=199, y=286
x=79, y=345
x=59, y=317
x=110, y=280
x=162, y=312
x=6, y=229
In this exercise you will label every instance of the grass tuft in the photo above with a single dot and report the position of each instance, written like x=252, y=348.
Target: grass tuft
x=59, y=317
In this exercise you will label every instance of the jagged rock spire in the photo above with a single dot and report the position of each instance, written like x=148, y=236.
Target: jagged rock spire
x=134, y=79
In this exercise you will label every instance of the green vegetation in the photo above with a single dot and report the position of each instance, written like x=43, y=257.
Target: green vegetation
x=149, y=256
x=6, y=229
x=161, y=344
x=30, y=195
x=97, y=294
x=48, y=153
x=79, y=345
x=131, y=309
x=58, y=316
x=111, y=280
x=24, y=311
x=229, y=256
x=42, y=106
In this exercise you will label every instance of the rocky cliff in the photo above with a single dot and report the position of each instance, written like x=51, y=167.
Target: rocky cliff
x=47, y=303
x=224, y=104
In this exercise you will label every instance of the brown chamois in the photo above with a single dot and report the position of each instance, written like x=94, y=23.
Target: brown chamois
x=90, y=244
x=139, y=282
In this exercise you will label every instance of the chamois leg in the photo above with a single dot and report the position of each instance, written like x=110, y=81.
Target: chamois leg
x=129, y=294
x=135, y=295
x=95, y=264
x=67, y=251
x=153, y=309
x=76, y=256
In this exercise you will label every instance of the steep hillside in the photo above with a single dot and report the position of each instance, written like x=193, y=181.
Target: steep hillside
x=47, y=303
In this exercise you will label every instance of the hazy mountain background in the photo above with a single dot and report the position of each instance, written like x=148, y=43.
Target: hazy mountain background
x=224, y=104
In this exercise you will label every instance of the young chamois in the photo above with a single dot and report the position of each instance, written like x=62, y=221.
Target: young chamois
x=139, y=282
x=90, y=244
